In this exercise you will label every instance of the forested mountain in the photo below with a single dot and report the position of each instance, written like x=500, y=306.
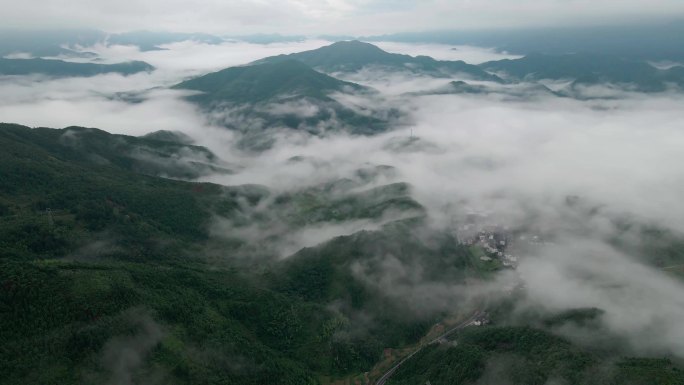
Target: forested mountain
x=157, y=154
x=589, y=69
x=522, y=356
x=60, y=68
x=352, y=56
x=98, y=260
x=282, y=94
x=265, y=83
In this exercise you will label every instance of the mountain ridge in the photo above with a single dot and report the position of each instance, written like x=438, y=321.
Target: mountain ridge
x=61, y=68
x=354, y=55
x=589, y=69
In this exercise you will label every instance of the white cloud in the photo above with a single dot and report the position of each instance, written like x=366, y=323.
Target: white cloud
x=329, y=16
x=509, y=157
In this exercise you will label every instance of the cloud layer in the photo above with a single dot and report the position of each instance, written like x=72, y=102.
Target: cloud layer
x=518, y=159
x=356, y=17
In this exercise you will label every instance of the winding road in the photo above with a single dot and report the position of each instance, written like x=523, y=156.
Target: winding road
x=469, y=321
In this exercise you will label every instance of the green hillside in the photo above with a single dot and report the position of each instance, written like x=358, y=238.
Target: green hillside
x=158, y=154
x=269, y=95
x=528, y=356
x=266, y=82
x=109, y=275
x=98, y=262
x=60, y=68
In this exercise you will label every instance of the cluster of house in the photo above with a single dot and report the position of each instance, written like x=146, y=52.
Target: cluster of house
x=481, y=320
x=494, y=240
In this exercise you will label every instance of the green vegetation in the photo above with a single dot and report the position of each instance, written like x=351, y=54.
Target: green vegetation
x=265, y=82
x=282, y=94
x=68, y=322
x=589, y=69
x=60, y=68
x=156, y=154
x=522, y=355
x=59, y=199
x=117, y=267
x=110, y=274
x=352, y=56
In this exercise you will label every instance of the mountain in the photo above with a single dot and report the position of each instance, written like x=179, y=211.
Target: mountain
x=282, y=94
x=523, y=355
x=60, y=68
x=150, y=155
x=589, y=69
x=93, y=260
x=40, y=43
x=161, y=153
x=97, y=261
x=265, y=83
x=100, y=263
x=646, y=41
x=66, y=42
x=95, y=185
x=352, y=56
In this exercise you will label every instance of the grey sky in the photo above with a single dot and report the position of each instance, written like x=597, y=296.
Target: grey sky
x=327, y=16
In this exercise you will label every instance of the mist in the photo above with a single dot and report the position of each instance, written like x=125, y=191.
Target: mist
x=518, y=159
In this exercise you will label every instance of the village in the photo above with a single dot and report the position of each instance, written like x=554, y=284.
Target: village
x=498, y=242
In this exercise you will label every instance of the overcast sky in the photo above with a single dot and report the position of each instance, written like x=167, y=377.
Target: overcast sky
x=311, y=17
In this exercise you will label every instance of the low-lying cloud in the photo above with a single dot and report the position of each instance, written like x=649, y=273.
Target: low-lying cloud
x=518, y=159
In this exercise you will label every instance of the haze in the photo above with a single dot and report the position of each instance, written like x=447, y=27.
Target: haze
x=349, y=17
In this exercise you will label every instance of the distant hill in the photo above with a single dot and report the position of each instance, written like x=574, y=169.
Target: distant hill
x=521, y=91
x=589, y=69
x=68, y=42
x=39, y=43
x=285, y=93
x=111, y=246
x=60, y=68
x=648, y=41
x=352, y=56
x=268, y=38
x=150, y=41
x=265, y=82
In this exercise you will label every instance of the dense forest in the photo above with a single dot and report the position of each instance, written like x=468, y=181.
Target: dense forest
x=111, y=273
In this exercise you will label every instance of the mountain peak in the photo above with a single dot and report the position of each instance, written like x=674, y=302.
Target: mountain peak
x=284, y=93
x=355, y=45
x=264, y=82
x=354, y=55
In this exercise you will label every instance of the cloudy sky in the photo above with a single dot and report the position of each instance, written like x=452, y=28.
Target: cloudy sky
x=328, y=16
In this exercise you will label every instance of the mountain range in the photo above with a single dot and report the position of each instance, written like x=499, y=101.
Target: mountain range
x=99, y=259
x=121, y=264
x=283, y=94
x=61, y=68
x=352, y=56
x=589, y=69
